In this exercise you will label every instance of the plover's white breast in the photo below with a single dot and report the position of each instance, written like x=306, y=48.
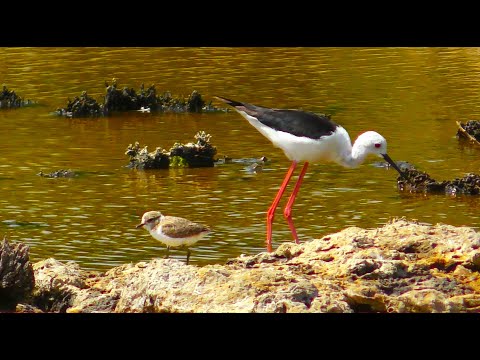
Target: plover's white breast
x=176, y=241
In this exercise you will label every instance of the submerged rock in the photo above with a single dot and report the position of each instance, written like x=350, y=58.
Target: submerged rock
x=199, y=154
x=400, y=267
x=417, y=181
x=58, y=173
x=16, y=274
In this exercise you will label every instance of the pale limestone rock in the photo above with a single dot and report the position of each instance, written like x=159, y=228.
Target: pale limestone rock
x=400, y=267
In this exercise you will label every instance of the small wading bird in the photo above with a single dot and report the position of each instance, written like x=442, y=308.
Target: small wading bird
x=173, y=231
x=309, y=137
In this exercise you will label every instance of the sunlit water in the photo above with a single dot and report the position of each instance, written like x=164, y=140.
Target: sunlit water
x=410, y=95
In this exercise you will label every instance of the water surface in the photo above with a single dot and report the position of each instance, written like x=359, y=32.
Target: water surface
x=412, y=96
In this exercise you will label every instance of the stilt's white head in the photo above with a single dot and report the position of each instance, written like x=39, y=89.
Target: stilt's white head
x=371, y=142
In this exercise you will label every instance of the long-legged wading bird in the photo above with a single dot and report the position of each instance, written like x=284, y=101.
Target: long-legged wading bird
x=309, y=137
x=173, y=231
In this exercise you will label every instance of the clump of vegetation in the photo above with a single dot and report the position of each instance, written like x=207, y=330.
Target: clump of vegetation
x=199, y=154
x=417, y=182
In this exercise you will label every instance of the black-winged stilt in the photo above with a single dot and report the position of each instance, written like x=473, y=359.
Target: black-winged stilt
x=305, y=136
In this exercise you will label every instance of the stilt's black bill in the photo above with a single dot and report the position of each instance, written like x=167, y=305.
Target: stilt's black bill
x=392, y=163
x=140, y=225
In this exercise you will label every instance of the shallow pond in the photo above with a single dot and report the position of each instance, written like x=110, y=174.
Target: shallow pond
x=412, y=96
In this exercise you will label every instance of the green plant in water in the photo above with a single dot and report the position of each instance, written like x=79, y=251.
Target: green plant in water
x=178, y=161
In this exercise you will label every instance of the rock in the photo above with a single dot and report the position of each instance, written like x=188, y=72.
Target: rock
x=57, y=284
x=417, y=181
x=16, y=274
x=58, y=173
x=199, y=154
x=127, y=99
x=469, y=131
x=400, y=267
x=9, y=99
x=140, y=158
x=82, y=106
x=195, y=102
x=27, y=308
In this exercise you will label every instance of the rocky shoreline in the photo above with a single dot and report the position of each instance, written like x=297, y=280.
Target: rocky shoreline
x=402, y=267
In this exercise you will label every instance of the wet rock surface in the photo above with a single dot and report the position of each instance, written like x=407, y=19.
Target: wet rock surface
x=198, y=154
x=16, y=274
x=420, y=182
x=127, y=99
x=400, y=267
x=469, y=131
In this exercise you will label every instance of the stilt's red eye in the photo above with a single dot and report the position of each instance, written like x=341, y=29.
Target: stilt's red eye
x=378, y=145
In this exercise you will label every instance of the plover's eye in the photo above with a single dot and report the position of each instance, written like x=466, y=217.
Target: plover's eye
x=377, y=145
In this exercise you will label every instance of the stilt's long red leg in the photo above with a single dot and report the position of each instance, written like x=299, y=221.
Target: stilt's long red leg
x=287, y=212
x=271, y=210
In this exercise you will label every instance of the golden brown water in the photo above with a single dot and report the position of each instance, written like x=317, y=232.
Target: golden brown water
x=412, y=96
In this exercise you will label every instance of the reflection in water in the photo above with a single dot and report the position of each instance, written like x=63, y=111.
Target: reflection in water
x=410, y=95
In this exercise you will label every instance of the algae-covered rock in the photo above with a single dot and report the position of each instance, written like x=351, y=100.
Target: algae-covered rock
x=140, y=158
x=420, y=182
x=127, y=99
x=82, y=106
x=199, y=154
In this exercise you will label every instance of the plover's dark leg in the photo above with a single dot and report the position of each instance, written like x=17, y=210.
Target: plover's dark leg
x=168, y=250
x=188, y=255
